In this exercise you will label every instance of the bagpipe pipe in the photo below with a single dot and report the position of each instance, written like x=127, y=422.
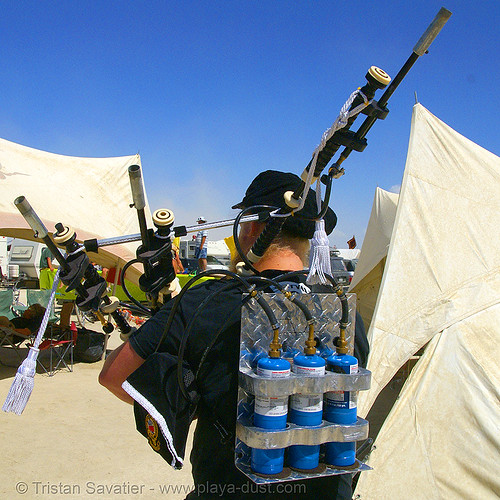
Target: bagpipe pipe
x=76, y=270
x=360, y=102
x=154, y=253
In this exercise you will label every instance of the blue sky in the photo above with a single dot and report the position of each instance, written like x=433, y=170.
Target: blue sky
x=210, y=93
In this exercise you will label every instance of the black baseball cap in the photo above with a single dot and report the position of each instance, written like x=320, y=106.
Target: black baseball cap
x=269, y=187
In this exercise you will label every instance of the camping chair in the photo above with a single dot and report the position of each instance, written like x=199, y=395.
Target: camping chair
x=6, y=299
x=41, y=297
x=59, y=342
x=12, y=339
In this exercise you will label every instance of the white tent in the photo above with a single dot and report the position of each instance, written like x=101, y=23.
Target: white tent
x=441, y=287
x=92, y=195
x=370, y=268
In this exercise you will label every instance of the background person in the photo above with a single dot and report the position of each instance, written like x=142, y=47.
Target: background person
x=46, y=259
x=176, y=260
x=47, y=269
x=200, y=252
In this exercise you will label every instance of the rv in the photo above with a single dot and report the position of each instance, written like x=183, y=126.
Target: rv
x=24, y=259
x=218, y=255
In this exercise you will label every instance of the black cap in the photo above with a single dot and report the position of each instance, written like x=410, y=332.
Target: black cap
x=269, y=187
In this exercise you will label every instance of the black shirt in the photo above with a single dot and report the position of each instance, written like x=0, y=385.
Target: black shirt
x=212, y=456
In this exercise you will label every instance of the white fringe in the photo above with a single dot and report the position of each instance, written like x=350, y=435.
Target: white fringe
x=319, y=260
x=22, y=386
x=160, y=420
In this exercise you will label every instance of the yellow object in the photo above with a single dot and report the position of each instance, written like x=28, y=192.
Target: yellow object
x=47, y=278
x=232, y=247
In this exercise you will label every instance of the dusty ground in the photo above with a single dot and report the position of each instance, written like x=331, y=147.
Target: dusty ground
x=76, y=440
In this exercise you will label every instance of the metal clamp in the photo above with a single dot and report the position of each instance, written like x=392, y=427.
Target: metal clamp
x=259, y=386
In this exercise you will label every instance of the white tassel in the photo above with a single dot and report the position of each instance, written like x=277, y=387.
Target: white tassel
x=22, y=386
x=319, y=260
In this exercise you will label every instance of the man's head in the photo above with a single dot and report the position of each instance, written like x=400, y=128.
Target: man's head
x=201, y=220
x=34, y=311
x=269, y=187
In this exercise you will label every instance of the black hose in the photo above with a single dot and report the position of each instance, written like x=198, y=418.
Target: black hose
x=237, y=245
x=149, y=312
x=293, y=298
x=187, y=330
x=199, y=309
x=230, y=284
x=261, y=279
x=184, y=289
x=344, y=320
x=264, y=281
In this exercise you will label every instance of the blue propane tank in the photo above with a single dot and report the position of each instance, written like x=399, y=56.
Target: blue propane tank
x=270, y=413
x=306, y=410
x=341, y=408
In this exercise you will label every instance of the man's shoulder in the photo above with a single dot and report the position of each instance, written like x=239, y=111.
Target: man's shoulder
x=215, y=285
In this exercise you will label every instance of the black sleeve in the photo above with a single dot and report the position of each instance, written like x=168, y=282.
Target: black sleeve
x=361, y=346
x=145, y=340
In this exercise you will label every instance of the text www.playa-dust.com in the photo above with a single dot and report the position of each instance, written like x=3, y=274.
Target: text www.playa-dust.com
x=90, y=488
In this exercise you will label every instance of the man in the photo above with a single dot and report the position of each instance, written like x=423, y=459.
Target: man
x=212, y=456
x=47, y=270
x=46, y=259
x=200, y=252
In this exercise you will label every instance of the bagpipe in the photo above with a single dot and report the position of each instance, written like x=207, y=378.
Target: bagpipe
x=154, y=252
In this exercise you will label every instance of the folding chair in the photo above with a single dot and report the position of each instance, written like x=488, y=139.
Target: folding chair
x=33, y=296
x=12, y=339
x=9, y=337
x=6, y=299
x=60, y=342
x=41, y=297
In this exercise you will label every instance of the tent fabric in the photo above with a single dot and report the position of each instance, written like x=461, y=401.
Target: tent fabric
x=370, y=268
x=441, y=286
x=442, y=436
x=91, y=195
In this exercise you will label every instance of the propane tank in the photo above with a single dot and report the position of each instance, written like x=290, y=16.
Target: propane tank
x=306, y=410
x=270, y=413
x=341, y=408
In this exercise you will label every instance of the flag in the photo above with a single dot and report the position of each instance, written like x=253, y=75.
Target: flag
x=352, y=242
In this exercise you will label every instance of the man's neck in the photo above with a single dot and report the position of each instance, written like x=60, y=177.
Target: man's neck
x=284, y=260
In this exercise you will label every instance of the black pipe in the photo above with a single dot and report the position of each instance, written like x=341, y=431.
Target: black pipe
x=420, y=48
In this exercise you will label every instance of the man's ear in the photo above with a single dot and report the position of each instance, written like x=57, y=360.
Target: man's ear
x=256, y=228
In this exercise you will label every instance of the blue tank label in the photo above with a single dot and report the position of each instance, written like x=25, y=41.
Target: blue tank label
x=341, y=399
x=307, y=403
x=271, y=407
x=263, y=372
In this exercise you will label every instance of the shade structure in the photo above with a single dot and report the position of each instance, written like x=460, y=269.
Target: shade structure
x=91, y=195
